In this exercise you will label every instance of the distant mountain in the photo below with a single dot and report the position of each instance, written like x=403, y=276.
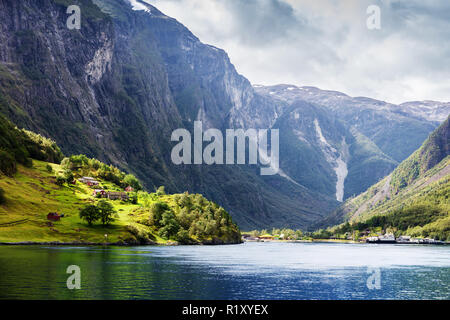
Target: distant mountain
x=394, y=130
x=422, y=180
x=355, y=141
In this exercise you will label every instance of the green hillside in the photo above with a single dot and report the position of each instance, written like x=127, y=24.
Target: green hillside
x=412, y=200
x=30, y=189
x=33, y=192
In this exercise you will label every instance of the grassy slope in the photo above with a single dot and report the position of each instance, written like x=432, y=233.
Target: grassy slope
x=31, y=194
x=432, y=187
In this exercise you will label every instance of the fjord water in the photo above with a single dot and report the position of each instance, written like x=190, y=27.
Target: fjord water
x=246, y=271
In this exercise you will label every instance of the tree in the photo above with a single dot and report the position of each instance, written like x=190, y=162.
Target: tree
x=299, y=234
x=185, y=218
x=170, y=225
x=49, y=168
x=132, y=181
x=156, y=211
x=134, y=198
x=68, y=176
x=183, y=236
x=106, y=212
x=90, y=214
x=7, y=163
x=161, y=191
x=186, y=201
x=197, y=229
x=60, y=180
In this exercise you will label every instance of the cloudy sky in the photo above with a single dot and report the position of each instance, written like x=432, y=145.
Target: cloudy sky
x=326, y=43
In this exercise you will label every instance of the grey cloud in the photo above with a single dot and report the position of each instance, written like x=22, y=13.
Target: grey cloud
x=325, y=43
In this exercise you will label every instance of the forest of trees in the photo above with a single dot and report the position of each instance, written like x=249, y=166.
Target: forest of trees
x=21, y=146
x=186, y=218
x=84, y=166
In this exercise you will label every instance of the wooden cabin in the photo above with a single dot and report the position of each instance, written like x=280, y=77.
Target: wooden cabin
x=53, y=216
x=99, y=192
x=118, y=196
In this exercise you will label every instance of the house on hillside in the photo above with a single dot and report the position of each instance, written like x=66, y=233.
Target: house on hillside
x=99, y=192
x=129, y=189
x=118, y=196
x=89, y=181
x=53, y=216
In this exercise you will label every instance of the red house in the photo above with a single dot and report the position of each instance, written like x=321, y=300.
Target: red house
x=129, y=189
x=100, y=192
x=53, y=216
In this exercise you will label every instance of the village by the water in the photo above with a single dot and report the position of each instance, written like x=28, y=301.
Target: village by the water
x=388, y=238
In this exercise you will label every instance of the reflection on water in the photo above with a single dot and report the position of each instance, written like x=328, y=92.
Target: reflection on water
x=247, y=271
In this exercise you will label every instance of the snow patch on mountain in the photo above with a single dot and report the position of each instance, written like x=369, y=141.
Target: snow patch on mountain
x=428, y=110
x=341, y=173
x=139, y=6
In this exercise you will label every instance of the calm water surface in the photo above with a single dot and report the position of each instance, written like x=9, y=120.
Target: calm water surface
x=247, y=271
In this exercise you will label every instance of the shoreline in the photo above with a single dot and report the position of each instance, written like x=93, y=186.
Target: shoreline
x=118, y=244
x=205, y=243
x=346, y=242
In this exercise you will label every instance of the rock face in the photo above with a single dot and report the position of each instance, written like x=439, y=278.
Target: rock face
x=119, y=86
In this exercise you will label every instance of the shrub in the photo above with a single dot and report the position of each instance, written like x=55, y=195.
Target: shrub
x=141, y=235
x=134, y=198
x=60, y=180
x=7, y=163
x=161, y=191
x=49, y=168
x=68, y=176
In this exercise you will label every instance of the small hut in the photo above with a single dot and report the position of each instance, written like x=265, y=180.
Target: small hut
x=53, y=216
